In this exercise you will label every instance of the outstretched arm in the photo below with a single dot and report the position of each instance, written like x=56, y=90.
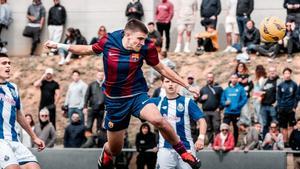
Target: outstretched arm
x=75, y=49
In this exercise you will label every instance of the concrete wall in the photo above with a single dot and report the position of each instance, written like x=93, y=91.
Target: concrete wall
x=88, y=15
x=87, y=158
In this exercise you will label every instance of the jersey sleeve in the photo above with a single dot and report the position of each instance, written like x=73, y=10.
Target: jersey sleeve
x=99, y=46
x=152, y=55
x=194, y=111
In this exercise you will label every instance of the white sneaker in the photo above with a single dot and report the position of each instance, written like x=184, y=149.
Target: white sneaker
x=178, y=48
x=227, y=49
x=186, y=48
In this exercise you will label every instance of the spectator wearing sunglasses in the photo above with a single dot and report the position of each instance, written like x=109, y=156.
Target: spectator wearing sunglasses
x=224, y=141
x=273, y=139
x=44, y=129
x=101, y=33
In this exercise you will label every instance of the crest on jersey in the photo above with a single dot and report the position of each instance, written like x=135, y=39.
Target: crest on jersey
x=110, y=124
x=180, y=107
x=135, y=56
x=6, y=158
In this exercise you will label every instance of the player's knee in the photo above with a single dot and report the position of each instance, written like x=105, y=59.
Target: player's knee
x=159, y=122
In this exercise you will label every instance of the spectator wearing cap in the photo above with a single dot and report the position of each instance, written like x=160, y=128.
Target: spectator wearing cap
x=224, y=141
x=210, y=98
x=295, y=143
x=75, y=96
x=74, y=133
x=209, y=11
x=292, y=9
x=273, y=139
x=134, y=10
x=233, y=99
x=50, y=93
x=243, y=11
x=251, y=138
x=191, y=81
x=287, y=102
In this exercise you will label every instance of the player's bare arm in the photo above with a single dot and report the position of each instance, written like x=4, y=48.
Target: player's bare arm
x=22, y=121
x=75, y=49
x=199, y=144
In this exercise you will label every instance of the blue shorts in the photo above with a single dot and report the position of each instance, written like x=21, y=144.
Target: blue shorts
x=119, y=111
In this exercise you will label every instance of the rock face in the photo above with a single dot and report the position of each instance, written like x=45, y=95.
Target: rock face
x=27, y=70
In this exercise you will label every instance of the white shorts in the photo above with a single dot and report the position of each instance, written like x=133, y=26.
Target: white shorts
x=185, y=27
x=12, y=152
x=170, y=159
x=231, y=25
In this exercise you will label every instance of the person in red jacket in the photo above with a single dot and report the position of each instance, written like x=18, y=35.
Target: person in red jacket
x=224, y=141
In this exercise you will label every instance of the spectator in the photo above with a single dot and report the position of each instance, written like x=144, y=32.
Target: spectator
x=259, y=81
x=75, y=96
x=94, y=104
x=134, y=10
x=26, y=139
x=207, y=41
x=267, y=110
x=163, y=15
x=293, y=9
x=209, y=11
x=36, y=14
x=44, y=129
x=252, y=136
x=191, y=81
x=250, y=37
x=269, y=49
x=5, y=15
x=74, y=133
x=244, y=79
x=295, y=144
x=233, y=99
x=286, y=103
x=146, y=146
x=153, y=74
x=293, y=42
x=159, y=92
x=64, y=54
x=56, y=21
x=155, y=36
x=243, y=11
x=273, y=139
x=231, y=27
x=210, y=98
x=186, y=23
x=80, y=39
x=101, y=33
x=224, y=141
x=50, y=93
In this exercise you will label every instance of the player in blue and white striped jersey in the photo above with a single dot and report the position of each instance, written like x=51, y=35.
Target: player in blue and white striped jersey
x=12, y=152
x=178, y=111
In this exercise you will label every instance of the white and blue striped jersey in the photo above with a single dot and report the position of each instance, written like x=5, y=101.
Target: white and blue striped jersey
x=178, y=112
x=9, y=104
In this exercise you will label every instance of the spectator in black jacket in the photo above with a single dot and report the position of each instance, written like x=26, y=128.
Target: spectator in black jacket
x=94, y=104
x=295, y=144
x=267, y=110
x=293, y=9
x=56, y=21
x=209, y=11
x=293, y=43
x=146, y=145
x=243, y=12
x=250, y=37
x=64, y=54
x=155, y=36
x=134, y=10
x=74, y=133
x=210, y=97
x=287, y=102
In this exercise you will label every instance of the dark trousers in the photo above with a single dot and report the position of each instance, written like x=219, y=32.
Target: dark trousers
x=266, y=49
x=228, y=118
x=292, y=46
x=148, y=159
x=241, y=21
x=164, y=27
x=206, y=44
x=213, y=121
x=94, y=114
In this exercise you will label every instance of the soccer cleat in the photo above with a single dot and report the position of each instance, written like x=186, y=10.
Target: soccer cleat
x=191, y=160
x=105, y=161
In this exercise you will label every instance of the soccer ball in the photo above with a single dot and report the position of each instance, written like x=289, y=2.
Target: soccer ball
x=272, y=29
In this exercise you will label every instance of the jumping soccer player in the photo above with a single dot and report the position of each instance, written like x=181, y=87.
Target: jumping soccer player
x=13, y=153
x=178, y=110
x=125, y=87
